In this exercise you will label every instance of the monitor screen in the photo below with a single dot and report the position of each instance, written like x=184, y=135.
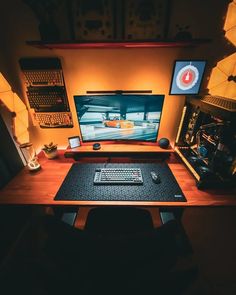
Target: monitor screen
x=187, y=77
x=119, y=117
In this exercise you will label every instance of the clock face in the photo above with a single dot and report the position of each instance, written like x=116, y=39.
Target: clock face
x=187, y=77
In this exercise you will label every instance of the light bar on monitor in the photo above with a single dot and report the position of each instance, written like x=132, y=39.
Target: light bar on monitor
x=117, y=91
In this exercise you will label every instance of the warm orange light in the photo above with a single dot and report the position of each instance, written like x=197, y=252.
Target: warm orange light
x=219, y=90
x=12, y=102
x=217, y=77
x=18, y=110
x=230, y=20
x=226, y=89
x=231, y=35
x=227, y=65
x=231, y=90
x=230, y=23
x=222, y=78
x=20, y=125
x=4, y=85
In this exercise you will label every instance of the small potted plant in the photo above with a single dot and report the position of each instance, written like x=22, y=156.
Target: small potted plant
x=50, y=150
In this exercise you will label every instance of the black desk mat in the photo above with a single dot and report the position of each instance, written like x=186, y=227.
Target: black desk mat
x=78, y=185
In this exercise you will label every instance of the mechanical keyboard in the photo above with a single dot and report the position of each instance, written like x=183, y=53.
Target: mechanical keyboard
x=54, y=120
x=118, y=176
x=48, y=99
x=44, y=77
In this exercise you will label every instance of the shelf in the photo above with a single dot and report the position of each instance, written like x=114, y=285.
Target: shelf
x=118, y=150
x=143, y=44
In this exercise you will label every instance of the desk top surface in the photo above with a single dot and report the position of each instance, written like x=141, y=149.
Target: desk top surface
x=40, y=188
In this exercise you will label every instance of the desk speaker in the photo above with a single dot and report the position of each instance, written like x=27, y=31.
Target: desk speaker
x=164, y=143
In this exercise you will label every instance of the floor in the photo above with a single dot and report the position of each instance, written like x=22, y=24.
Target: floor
x=212, y=232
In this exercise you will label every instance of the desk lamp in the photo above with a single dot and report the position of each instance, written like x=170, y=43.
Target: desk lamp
x=30, y=156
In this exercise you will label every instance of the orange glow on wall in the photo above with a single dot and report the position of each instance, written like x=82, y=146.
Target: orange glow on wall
x=18, y=111
x=230, y=23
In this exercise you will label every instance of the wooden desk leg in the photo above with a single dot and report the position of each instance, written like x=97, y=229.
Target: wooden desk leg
x=183, y=242
x=66, y=214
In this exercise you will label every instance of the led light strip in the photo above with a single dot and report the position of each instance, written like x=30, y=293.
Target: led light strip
x=181, y=124
x=196, y=175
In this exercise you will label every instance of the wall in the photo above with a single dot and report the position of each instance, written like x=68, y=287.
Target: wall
x=98, y=69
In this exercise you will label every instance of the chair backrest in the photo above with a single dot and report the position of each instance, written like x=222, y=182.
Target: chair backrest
x=118, y=220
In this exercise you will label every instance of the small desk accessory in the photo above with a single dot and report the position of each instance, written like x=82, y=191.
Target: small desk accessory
x=96, y=146
x=74, y=141
x=30, y=156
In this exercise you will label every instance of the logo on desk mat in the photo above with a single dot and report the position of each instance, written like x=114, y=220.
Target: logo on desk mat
x=178, y=196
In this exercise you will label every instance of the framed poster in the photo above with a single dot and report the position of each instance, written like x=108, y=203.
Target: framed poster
x=187, y=77
x=146, y=20
x=93, y=20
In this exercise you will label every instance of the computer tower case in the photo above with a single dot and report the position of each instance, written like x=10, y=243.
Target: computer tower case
x=206, y=140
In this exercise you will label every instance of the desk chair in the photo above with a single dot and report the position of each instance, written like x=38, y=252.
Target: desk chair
x=172, y=244
x=118, y=220
x=53, y=257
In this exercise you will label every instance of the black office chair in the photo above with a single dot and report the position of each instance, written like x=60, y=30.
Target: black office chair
x=95, y=260
x=151, y=253
x=118, y=220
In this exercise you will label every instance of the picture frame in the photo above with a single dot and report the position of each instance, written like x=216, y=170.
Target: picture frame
x=74, y=141
x=187, y=77
x=146, y=20
x=93, y=20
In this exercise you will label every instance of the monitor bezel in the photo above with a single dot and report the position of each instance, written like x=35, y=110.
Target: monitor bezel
x=120, y=140
x=173, y=74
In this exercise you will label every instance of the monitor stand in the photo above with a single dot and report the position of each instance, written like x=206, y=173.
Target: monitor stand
x=118, y=150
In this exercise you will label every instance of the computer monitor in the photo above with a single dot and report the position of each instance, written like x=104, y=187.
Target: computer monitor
x=187, y=77
x=120, y=117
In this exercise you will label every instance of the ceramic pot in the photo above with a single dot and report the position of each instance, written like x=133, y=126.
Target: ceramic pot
x=51, y=155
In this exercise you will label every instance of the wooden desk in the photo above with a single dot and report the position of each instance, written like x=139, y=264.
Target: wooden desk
x=39, y=188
